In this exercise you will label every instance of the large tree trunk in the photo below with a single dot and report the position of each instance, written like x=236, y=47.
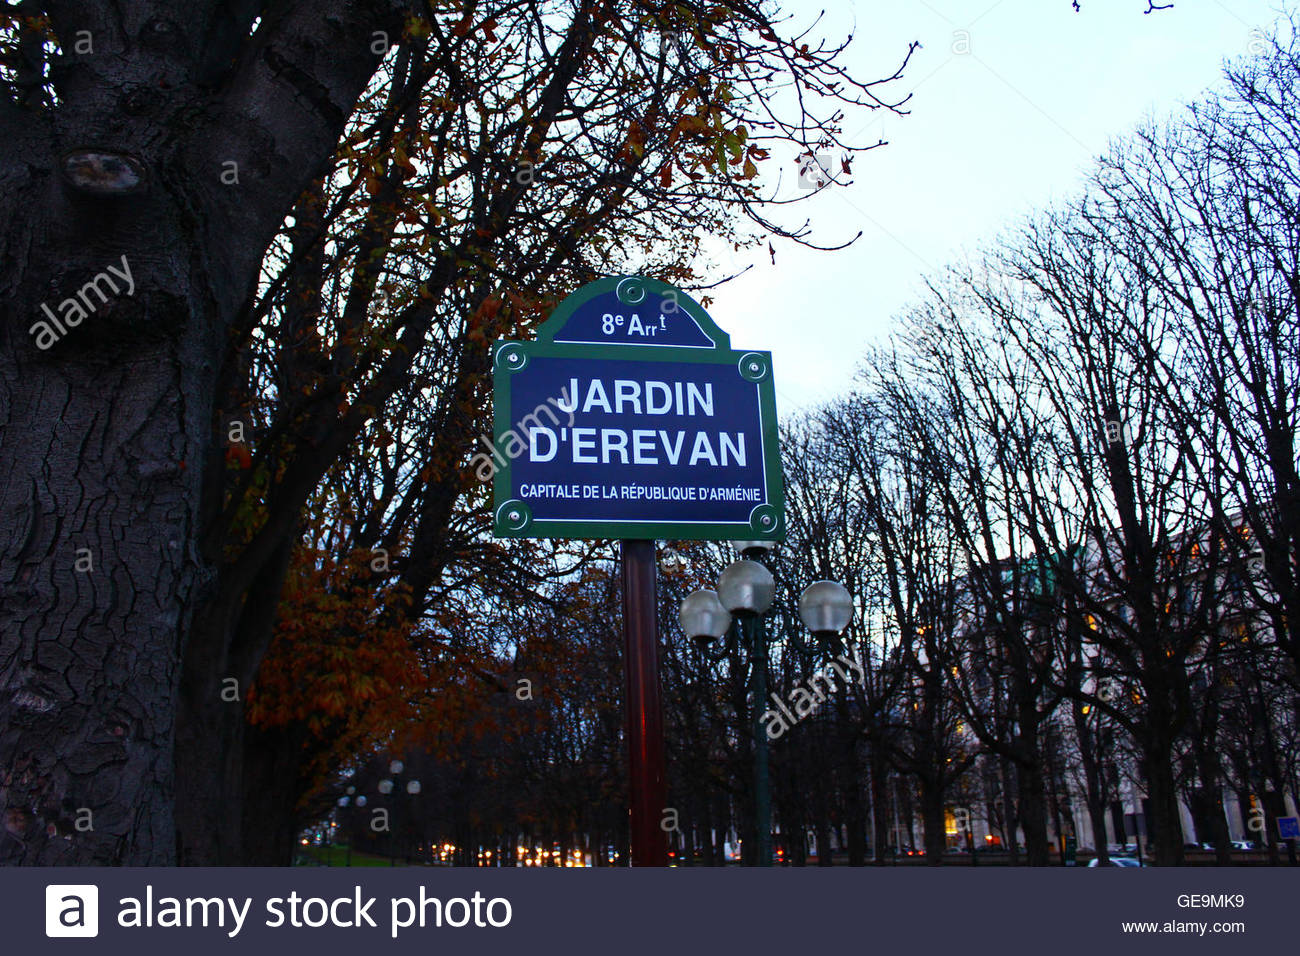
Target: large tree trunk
x=173, y=152
x=95, y=477
x=272, y=784
x=213, y=741
x=104, y=436
x=209, y=752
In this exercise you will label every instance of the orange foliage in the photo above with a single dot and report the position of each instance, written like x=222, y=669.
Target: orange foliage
x=336, y=656
x=351, y=668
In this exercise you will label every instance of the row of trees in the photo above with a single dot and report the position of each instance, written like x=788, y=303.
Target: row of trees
x=1066, y=500
x=1067, y=494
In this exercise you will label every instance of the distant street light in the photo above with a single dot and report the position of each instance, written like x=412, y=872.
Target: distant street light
x=386, y=787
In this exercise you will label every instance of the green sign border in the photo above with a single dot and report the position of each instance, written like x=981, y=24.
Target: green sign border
x=509, y=357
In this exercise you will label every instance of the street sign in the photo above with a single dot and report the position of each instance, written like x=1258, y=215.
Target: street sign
x=1288, y=828
x=632, y=417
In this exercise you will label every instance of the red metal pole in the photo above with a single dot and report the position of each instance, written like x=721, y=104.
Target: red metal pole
x=645, y=726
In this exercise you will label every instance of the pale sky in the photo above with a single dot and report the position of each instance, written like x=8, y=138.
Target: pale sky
x=993, y=134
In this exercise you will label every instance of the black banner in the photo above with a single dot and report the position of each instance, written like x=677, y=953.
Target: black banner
x=324, y=910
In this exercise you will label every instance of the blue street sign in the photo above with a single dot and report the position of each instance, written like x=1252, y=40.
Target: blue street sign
x=1288, y=828
x=632, y=417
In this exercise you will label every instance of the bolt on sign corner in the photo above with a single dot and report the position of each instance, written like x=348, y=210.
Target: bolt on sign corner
x=632, y=417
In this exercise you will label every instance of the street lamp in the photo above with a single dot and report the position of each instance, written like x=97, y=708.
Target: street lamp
x=353, y=799
x=702, y=617
x=746, y=589
x=412, y=788
x=753, y=549
x=826, y=607
x=745, y=592
x=386, y=787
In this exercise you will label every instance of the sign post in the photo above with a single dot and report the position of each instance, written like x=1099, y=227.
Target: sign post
x=647, y=786
x=632, y=418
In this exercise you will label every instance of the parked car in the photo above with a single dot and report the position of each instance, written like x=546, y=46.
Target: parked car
x=1115, y=861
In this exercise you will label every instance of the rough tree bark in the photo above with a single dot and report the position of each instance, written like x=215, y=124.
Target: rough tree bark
x=211, y=129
